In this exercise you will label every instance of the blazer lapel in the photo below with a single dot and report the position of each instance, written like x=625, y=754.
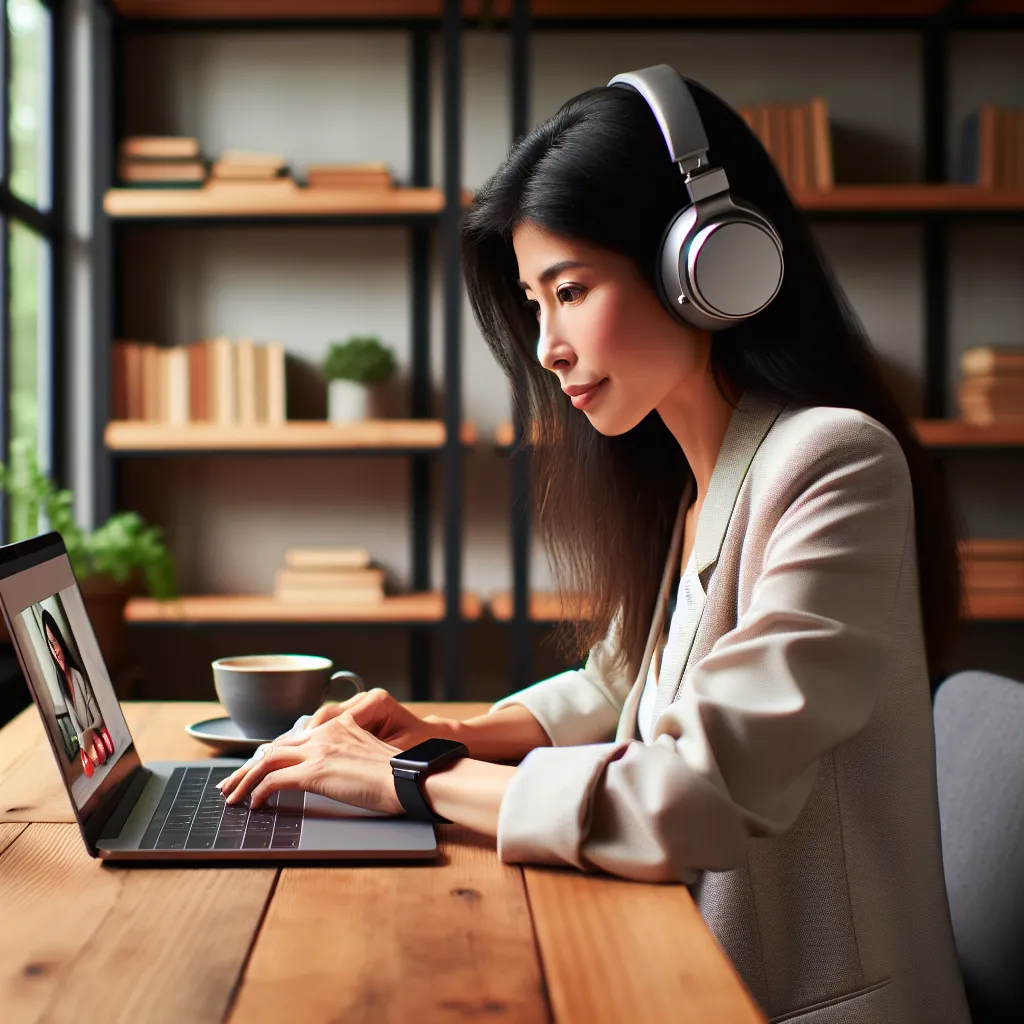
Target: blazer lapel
x=749, y=424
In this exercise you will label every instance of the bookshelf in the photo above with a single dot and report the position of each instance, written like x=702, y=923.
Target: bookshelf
x=396, y=204
x=433, y=446
x=218, y=609
x=935, y=204
x=374, y=436
x=936, y=434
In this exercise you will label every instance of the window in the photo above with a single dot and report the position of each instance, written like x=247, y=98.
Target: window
x=28, y=230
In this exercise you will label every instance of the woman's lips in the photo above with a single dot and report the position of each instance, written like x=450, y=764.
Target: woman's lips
x=582, y=401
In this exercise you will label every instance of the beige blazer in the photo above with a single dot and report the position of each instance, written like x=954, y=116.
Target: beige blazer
x=790, y=777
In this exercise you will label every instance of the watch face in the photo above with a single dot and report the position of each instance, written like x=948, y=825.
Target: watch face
x=425, y=752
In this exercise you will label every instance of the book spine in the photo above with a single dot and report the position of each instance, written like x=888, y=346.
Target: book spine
x=798, y=148
x=822, y=142
x=277, y=400
x=987, y=146
x=178, y=386
x=119, y=381
x=134, y=381
x=150, y=383
x=245, y=381
x=327, y=558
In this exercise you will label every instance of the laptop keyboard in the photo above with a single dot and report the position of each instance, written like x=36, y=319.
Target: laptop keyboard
x=193, y=815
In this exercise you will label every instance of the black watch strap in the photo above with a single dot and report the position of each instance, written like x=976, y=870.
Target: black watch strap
x=407, y=786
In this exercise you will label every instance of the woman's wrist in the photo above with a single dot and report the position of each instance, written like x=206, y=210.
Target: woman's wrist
x=469, y=793
x=506, y=735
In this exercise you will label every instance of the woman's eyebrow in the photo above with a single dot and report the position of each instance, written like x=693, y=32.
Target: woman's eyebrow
x=553, y=271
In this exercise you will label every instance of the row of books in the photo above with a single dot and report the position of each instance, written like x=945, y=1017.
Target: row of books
x=991, y=389
x=176, y=160
x=991, y=152
x=992, y=564
x=797, y=138
x=329, y=576
x=211, y=381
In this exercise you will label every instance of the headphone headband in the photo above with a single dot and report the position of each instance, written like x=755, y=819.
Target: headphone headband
x=720, y=258
x=672, y=103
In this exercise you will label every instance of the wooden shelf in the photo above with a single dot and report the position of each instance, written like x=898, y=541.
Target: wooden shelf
x=590, y=9
x=932, y=433
x=254, y=608
x=994, y=605
x=910, y=198
x=310, y=435
x=543, y=606
x=251, y=201
x=957, y=434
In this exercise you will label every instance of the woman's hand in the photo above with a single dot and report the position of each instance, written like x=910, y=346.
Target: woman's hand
x=379, y=713
x=337, y=759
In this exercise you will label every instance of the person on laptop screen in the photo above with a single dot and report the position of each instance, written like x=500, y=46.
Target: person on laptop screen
x=94, y=742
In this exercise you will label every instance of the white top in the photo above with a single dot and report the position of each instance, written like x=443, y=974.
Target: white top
x=688, y=605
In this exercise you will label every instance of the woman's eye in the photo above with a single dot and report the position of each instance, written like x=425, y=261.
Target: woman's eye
x=532, y=306
x=570, y=293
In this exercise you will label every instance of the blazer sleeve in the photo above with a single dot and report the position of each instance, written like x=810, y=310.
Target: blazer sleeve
x=582, y=705
x=737, y=753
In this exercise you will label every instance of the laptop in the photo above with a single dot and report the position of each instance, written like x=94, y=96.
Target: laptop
x=162, y=810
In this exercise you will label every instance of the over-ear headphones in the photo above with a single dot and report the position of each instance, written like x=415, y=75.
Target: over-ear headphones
x=720, y=259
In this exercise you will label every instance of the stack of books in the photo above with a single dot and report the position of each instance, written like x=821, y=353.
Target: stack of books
x=992, y=565
x=992, y=148
x=217, y=381
x=329, y=576
x=797, y=138
x=161, y=161
x=992, y=388
x=374, y=175
x=237, y=168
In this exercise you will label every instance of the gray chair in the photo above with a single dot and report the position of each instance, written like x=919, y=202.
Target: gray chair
x=979, y=753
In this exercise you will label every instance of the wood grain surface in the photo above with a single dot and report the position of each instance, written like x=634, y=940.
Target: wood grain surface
x=120, y=944
x=654, y=929
x=449, y=942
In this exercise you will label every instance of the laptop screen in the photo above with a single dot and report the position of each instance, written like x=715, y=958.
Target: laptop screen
x=65, y=671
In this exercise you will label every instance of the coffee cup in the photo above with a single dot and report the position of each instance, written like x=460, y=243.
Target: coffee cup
x=265, y=693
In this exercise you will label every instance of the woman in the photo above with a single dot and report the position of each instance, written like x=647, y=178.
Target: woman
x=94, y=743
x=773, y=749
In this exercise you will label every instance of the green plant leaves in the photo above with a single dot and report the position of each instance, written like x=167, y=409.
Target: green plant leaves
x=359, y=358
x=122, y=545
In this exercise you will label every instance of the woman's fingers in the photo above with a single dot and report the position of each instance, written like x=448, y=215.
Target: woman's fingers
x=277, y=756
x=295, y=777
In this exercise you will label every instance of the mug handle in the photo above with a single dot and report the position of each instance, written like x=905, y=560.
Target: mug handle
x=354, y=679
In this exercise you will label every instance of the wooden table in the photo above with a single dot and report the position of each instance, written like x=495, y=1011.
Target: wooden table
x=466, y=938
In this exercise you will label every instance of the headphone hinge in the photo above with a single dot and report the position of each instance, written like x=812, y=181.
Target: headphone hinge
x=710, y=183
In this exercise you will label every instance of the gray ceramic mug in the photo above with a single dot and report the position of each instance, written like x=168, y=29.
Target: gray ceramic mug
x=265, y=693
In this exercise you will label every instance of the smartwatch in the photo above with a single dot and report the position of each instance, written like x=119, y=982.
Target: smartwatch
x=413, y=765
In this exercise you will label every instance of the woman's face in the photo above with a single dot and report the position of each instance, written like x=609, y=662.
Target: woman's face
x=55, y=648
x=601, y=321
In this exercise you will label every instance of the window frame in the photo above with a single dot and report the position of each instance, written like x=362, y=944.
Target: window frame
x=49, y=226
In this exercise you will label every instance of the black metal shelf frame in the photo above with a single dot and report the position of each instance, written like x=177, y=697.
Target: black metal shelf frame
x=109, y=30
x=934, y=32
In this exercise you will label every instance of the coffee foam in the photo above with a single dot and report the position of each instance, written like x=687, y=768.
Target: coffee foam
x=273, y=662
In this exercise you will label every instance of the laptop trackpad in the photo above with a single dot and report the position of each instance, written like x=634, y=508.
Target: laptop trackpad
x=332, y=825
x=317, y=806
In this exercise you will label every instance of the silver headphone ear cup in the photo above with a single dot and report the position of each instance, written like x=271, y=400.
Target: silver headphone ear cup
x=735, y=267
x=720, y=264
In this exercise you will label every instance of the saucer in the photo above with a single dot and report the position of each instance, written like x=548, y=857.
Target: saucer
x=224, y=734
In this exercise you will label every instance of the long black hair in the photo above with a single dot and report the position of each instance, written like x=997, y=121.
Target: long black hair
x=70, y=658
x=599, y=171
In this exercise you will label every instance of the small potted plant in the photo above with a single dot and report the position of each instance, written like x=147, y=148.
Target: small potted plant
x=353, y=369
x=110, y=562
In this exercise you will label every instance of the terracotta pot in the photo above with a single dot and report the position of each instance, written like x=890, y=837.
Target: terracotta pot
x=104, y=601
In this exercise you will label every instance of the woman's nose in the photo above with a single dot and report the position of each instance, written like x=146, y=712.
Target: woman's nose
x=553, y=353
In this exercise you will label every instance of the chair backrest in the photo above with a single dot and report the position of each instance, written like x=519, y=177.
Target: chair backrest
x=979, y=753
